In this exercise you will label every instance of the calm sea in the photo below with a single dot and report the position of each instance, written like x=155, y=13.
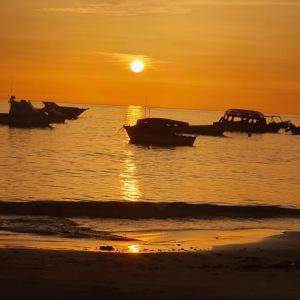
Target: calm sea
x=90, y=160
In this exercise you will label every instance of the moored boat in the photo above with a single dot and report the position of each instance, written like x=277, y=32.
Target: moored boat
x=159, y=132
x=23, y=114
x=53, y=115
x=250, y=121
x=295, y=130
x=213, y=130
x=67, y=111
x=23, y=121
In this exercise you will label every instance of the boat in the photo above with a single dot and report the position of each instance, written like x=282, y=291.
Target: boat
x=23, y=114
x=68, y=112
x=250, y=121
x=158, y=132
x=213, y=130
x=295, y=130
x=53, y=115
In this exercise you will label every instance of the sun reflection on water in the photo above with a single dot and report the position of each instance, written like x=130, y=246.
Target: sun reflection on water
x=133, y=114
x=129, y=184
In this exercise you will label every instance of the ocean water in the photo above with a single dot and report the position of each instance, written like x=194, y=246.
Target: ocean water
x=90, y=160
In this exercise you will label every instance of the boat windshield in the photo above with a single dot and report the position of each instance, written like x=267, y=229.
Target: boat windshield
x=274, y=118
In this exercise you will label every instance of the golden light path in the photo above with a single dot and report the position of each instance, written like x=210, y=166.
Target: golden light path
x=129, y=184
x=133, y=114
x=137, y=66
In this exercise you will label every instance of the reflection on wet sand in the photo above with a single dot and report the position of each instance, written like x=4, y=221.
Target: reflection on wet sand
x=171, y=241
x=134, y=248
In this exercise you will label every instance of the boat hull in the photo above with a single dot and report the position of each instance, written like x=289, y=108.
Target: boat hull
x=212, y=130
x=53, y=116
x=251, y=128
x=71, y=112
x=24, y=121
x=147, y=137
x=68, y=112
x=295, y=131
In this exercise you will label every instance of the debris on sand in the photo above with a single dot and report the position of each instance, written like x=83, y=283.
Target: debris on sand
x=106, y=248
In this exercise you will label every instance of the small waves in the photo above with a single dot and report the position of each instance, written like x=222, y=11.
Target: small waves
x=144, y=210
x=53, y=226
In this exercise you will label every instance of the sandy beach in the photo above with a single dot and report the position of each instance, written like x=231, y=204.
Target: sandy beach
x=269, y=269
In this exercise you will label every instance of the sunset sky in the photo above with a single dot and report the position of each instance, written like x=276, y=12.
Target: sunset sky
x=207, y=54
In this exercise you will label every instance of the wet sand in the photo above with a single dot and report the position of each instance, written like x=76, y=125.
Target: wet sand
x=138, y=241
x=265, y=270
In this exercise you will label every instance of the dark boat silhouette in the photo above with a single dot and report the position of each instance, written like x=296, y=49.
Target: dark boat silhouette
x=293, y=129
x=186, y=128
x=213, y=130
x=159, y=132
x=23, y=114
x=250, y=121
x=53, y=115
x=67, y=111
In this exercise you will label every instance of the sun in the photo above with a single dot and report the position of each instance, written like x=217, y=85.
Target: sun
x=137, y=66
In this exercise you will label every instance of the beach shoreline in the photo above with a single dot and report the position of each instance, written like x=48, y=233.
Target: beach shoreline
x=146, y=240
x=269, y=269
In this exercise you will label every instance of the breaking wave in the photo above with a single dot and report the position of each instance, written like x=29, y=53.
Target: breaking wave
x=143, y=210
x=49, y=226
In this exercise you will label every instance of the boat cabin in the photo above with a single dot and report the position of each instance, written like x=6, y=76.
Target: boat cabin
x=21, y=108
x=243, y=116
x=273, y=119
x=161, y=123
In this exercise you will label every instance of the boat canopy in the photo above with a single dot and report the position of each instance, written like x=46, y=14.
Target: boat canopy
x=161, y=122
x=245, y=114
x=21, y=108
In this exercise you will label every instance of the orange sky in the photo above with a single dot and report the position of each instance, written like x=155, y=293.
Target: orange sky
x=211, y=54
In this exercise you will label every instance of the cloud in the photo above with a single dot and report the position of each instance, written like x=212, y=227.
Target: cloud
x=148, y=7
x=122, y=57
x=125, y=58
x=126, y=8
